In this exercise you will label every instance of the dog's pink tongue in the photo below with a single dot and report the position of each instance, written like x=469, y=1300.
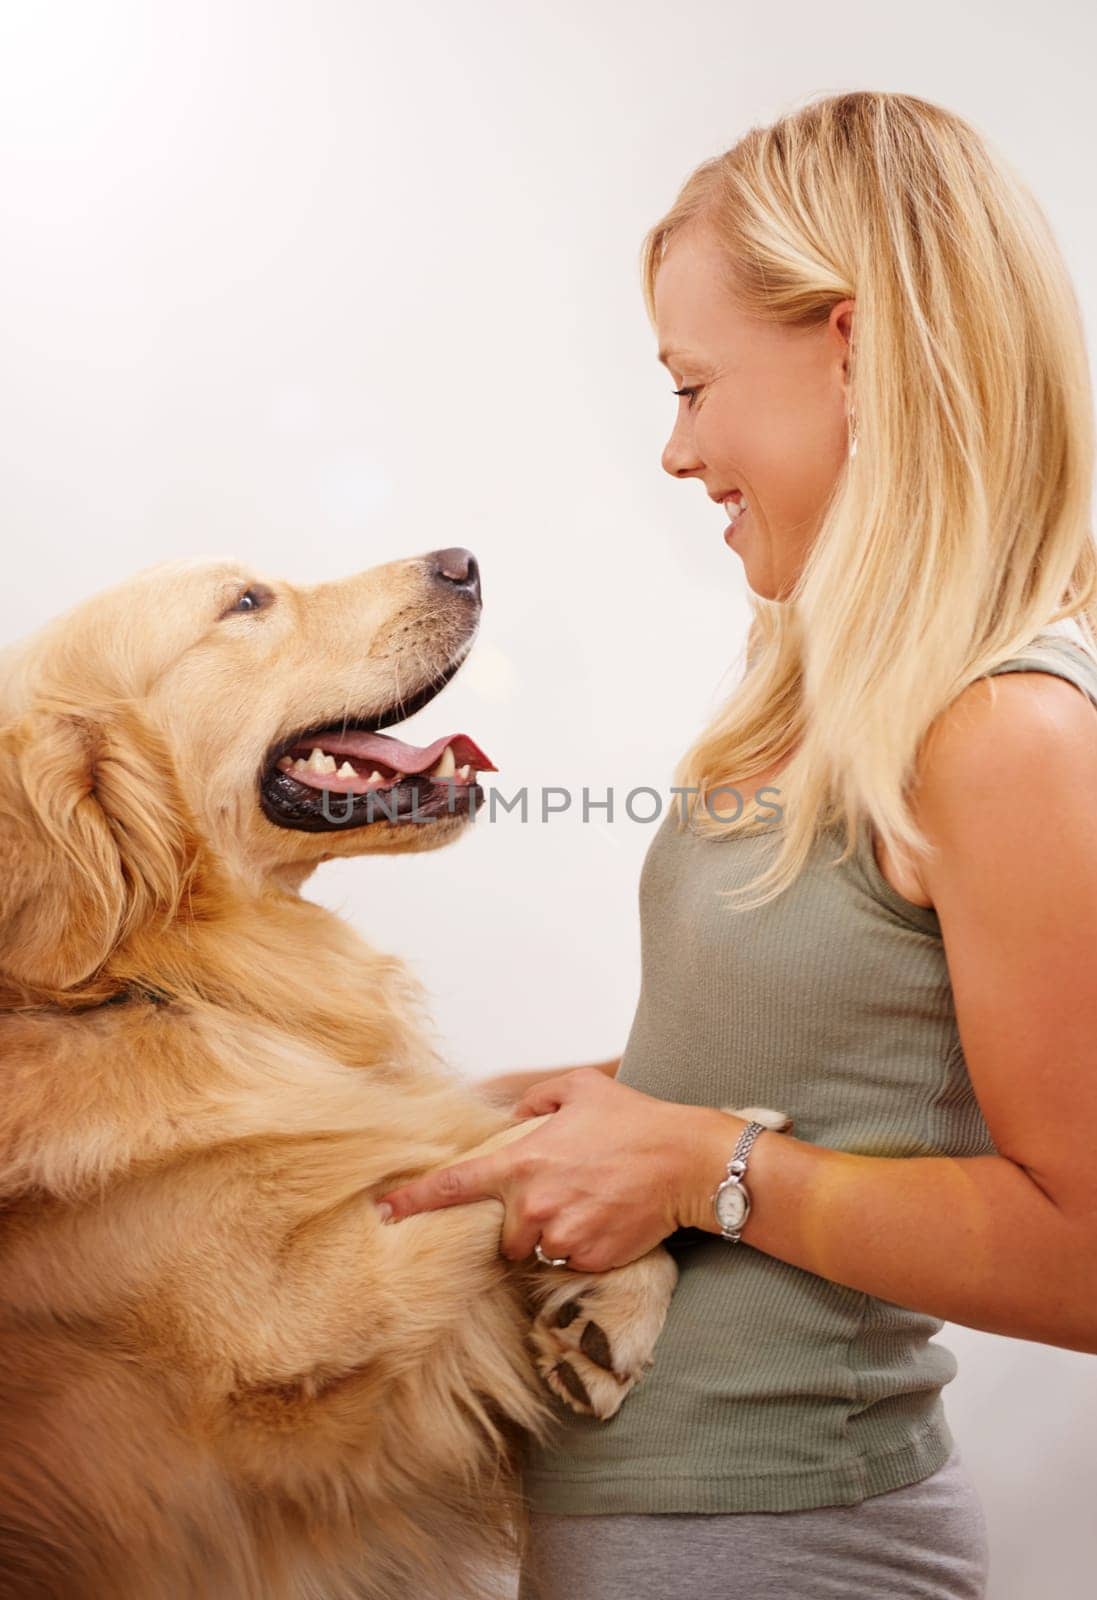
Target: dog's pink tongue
x=410, y=758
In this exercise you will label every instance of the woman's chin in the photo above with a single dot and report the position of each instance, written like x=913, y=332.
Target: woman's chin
x=759, y=582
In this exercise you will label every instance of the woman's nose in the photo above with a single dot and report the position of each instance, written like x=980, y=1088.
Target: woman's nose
x=679, y=458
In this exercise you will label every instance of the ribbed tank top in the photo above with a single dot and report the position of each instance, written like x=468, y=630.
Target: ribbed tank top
x=774, y=1389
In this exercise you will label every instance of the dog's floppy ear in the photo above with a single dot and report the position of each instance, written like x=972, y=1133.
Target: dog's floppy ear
x=93, y=842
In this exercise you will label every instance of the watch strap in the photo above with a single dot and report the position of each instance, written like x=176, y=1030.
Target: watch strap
x=736, y=1170
x=743, y=1145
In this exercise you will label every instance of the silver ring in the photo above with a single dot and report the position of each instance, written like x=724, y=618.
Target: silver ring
x=549, y=1261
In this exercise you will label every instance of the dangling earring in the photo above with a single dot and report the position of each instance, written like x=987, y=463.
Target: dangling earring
x=852, y=434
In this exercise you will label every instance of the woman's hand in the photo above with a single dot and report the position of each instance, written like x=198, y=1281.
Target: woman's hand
x=507, y=1088
x=613, y=1173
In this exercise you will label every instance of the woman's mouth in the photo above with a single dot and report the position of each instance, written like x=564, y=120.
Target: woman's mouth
x=736, y=507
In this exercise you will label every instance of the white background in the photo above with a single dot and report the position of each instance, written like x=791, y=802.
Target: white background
x=324, y=284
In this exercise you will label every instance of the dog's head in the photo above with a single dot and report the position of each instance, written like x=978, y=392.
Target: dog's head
x=202, y=711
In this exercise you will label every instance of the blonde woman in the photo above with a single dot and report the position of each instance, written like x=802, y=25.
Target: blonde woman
x=877, y=351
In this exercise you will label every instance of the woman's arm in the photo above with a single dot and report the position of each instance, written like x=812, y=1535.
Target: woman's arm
x=1005, y=1242
x=507, y=1087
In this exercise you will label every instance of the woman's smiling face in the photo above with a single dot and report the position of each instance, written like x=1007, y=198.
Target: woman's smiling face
x=765, y=410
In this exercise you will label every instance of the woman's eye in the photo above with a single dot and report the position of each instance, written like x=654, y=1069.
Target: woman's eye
x=689, y=392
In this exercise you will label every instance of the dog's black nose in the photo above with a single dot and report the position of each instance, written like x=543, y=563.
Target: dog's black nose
x=458, y=567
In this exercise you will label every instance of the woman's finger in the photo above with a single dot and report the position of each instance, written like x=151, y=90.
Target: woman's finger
x=547, y=1096
x=478, y=1179
x=518, y=1237
x=527, y=1217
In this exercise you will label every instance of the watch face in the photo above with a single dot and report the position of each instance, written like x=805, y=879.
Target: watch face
x=731, y=1206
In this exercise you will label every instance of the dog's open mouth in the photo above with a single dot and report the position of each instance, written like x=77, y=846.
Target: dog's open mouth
x=346, y=777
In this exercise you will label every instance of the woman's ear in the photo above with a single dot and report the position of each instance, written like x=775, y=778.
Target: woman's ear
x=94, y=842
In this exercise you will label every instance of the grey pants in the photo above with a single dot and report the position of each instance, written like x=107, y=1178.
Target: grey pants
x=927, y=1541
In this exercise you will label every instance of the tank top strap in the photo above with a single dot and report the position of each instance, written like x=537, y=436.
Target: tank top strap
x=1059, y=655
x=1050, y=652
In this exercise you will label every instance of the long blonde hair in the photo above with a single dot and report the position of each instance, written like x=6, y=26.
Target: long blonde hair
x=960, y=530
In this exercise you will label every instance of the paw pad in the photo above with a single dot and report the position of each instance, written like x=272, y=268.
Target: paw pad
x=573, y=1383
x=595, y=1346
x=567, y=1314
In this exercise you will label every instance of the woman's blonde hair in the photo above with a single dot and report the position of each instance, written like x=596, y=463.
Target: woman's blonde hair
x=960, y=529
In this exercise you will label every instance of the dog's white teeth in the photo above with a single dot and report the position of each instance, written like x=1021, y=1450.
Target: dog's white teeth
x=319, y=762
x=346, y=771
x=285, y=764
x=375, y=777
x=463, y=774
x=443, y=767
x=300, y=765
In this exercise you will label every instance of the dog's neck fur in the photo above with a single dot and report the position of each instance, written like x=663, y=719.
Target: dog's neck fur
x=282, y=981
x=111, y=986
x=277, y=957
x=130, y=993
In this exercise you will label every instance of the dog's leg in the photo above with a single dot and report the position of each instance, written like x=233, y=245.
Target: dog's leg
x=605, y=1324
x=777, y=1120
x=594, y=1333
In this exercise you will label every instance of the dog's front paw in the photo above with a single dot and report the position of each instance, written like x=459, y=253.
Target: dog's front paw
x=776, y=1120
x=595, y=1332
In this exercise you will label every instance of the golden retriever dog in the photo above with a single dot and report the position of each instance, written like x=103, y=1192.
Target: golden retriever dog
x=221, y=1376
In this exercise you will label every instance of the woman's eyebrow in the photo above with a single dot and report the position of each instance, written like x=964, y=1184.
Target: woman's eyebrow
x=669, y=353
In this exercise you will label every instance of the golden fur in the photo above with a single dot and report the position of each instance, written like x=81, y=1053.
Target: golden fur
x=220, y=1375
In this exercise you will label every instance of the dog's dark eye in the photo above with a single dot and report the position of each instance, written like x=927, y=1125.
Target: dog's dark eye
x=254, y=598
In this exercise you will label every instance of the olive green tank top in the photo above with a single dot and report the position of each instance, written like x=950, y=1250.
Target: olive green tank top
x=774, y=1389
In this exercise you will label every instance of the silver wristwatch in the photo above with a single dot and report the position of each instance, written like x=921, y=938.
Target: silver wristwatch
x=730, y=1199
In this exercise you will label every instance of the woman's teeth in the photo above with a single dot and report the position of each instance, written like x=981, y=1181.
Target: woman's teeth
x=735, y=505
